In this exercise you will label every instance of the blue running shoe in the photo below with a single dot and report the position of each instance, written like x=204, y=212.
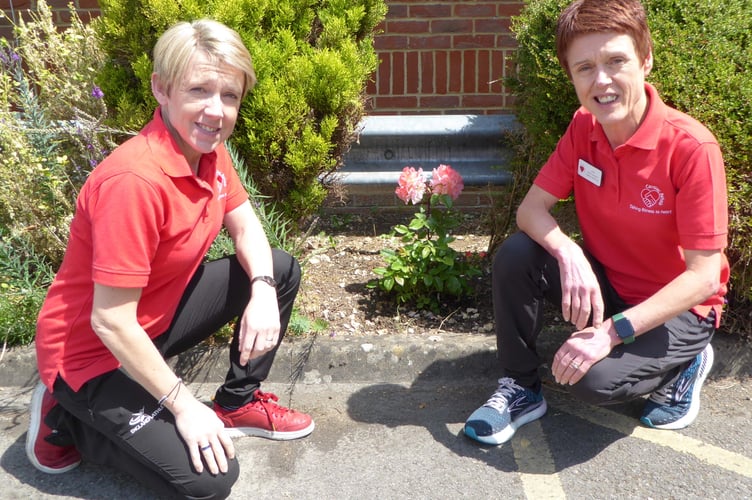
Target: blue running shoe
x=510, y=407
x=683, y=403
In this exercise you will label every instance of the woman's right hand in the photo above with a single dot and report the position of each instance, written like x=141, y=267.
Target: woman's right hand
x=203, y=433
x=580, y=291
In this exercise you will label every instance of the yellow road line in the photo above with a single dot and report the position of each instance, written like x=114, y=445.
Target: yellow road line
x=628, y=426
x=531, y=452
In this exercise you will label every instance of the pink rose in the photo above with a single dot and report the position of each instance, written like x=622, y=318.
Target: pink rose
x=411, y=185
x=446, y=180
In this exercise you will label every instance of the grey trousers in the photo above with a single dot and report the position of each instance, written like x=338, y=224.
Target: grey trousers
x=525, y=276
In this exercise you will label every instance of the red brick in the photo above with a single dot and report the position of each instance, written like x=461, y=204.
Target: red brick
x=509, y=9
x=430, y=42
x=469, y=69
x=483, y=101
x=497, y=71
x=396, y=102
x=371, y=85
x=442, y=78
x=385, y=42
x=474, y=41
x=506, y=41
x=484, y=71
x=17, y=5
x=430, y=10
x=494, y=25
x=88, y=4
x=452, y=26
x=439, y=102
x=412, y=73
x=398, y=73
x=455, y=71
x=426, y=73
x=384, y=74
x=396, y=11
x=401, y=26
x=475, y=10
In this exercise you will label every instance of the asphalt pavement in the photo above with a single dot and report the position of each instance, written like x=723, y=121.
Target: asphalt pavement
x=389, y=412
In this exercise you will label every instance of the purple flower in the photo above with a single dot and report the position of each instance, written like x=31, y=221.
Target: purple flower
x=14, y=57
x=96, y=92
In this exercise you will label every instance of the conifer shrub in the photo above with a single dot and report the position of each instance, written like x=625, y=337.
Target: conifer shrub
x=703, y=58
x=312, y=59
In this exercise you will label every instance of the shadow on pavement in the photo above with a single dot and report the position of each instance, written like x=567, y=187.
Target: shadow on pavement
x=441, y=406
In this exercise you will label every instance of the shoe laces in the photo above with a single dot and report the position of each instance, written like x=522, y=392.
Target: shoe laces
x=500, y=399
x=268, y=402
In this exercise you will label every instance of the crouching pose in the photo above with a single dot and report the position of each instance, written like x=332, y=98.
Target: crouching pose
x=645, y=290
x=133, y=289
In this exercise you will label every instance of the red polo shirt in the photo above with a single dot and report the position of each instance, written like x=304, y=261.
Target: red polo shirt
x=143, y=220
x=639, y=205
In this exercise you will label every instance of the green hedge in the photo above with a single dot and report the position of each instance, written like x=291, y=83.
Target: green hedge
x=312, y=58
x=703, y=59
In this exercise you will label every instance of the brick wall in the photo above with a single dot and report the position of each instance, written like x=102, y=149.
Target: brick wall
x=444, y=57
x=15, y=9
x=436, y=56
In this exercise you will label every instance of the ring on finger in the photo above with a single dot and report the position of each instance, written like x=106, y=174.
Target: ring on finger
x=575, y=365
x=206, y=447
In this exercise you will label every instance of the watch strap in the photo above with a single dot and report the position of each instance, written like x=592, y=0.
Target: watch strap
x=266, y=279
x=624, y=328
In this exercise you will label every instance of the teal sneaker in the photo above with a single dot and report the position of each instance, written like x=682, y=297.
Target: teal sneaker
x=683, y=403
x=510, y=407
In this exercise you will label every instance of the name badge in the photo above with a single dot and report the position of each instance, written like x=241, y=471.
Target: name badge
x=589, y=172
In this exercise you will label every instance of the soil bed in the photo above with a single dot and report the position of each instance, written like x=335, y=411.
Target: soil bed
x=338, y=261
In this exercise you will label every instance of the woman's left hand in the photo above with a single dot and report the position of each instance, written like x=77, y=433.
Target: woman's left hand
x=581, y=351
x=259, y=326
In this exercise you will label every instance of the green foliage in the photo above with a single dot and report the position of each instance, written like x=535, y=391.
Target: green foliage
x=300, y=324
x=703, y=56
x=275, y=226
x=312, y=60
x=47, y=145
x=425, y=268
x=24, y=277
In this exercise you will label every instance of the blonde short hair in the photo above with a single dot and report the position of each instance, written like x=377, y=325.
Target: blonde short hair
x=223, y=45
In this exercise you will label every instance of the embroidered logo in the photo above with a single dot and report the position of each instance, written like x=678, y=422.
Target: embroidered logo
x=652, y=200
x=652, y=196
x=221, y=185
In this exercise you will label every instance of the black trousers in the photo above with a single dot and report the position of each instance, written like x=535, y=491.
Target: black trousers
x=113, y=421
x=525, y=276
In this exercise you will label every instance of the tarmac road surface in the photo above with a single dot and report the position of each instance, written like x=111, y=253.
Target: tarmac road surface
x=394, y=431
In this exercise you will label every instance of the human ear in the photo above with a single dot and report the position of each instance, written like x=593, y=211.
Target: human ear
x=158, y=89
x=648, y=64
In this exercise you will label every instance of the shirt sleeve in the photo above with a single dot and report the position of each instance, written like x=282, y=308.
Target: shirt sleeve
x=125, y=215
x=702, y=200
x=556, y=177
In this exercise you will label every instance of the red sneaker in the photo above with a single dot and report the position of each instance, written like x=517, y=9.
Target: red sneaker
x=43, y=455
x=263, y=417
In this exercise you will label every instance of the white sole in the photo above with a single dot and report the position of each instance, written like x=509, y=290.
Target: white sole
x=35, y=422
x=694, y=408
x=508, y=432
x=239, y=432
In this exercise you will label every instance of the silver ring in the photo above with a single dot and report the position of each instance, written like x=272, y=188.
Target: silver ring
x=207, y=447
x=574, y=365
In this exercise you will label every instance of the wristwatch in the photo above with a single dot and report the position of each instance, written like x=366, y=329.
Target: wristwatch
x=266, y=279
x=624, y=328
